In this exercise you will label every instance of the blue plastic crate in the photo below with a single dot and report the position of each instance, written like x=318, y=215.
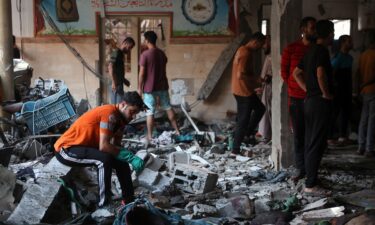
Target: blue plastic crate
x=47, y=112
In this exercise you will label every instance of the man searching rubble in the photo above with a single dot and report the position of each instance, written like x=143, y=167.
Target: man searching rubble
x=94, y=139
x=116, y=69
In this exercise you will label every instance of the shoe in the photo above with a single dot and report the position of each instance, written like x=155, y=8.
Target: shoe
x=369, y=154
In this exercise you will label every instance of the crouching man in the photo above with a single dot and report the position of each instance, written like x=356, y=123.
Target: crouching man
x=94, y=139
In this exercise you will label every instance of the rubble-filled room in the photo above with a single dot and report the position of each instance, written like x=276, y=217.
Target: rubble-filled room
x=196, y=112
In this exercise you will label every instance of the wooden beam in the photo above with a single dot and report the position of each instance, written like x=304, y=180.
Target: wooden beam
x=218, y=69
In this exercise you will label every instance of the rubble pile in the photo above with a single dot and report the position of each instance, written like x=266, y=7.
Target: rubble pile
x=192, y=176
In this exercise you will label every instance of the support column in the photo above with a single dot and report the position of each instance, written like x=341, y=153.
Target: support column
x=6, y=56
x=6, y=51
x=285, y=17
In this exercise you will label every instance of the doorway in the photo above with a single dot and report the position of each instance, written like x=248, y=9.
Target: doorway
x=116, y=27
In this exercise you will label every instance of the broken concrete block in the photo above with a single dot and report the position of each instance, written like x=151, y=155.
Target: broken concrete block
x=39, y=196
x=148, y=178
x=163, y=182
x=323, y=214
x=154, y=163
x=194, y=180
x=201, y=210
x=178, y=157
x=237, y=207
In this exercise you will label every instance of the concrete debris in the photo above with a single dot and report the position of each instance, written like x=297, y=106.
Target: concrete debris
x=39, y=196
x=192, y=176
x=217, y=149
x=179, y=157
x=7, y=185
x=103, y=216
x=148, y=178
x=194, y=180
x=200, y=159
x=242, y=158
x=163, y=183
x=201, y=210
x=102, y=213
x=323, y=214
x=261, y=205
x=314, y=205
x=237, y=207
x=33, y=149
x=154, y=163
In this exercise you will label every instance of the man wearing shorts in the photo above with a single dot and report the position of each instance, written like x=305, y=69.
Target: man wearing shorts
x=153, y=82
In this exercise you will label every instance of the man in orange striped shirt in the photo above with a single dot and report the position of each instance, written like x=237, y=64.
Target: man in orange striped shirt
x=94, y=139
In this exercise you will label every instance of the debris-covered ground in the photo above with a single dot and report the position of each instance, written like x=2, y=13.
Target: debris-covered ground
x=192, y=178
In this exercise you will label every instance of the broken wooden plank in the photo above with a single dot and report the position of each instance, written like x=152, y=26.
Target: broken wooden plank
x=220, y=65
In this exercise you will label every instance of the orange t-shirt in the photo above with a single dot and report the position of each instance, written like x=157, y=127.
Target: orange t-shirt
x=87, y=129
x=243, y=64
x=366, y=66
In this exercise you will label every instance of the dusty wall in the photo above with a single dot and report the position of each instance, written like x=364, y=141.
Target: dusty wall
x=53, y=60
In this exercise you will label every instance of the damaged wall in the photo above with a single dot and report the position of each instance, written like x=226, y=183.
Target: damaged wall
x=50, y=58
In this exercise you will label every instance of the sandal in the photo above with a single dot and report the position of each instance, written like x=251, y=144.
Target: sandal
x=317, y=192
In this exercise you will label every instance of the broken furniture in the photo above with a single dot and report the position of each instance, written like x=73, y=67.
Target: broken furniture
x=194, y=180
x=47, y=112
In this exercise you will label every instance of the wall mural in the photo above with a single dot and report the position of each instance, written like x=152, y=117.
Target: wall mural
x=191, y=18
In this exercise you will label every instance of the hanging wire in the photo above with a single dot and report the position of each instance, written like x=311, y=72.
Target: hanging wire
x=84, y=85
x=74, y=51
